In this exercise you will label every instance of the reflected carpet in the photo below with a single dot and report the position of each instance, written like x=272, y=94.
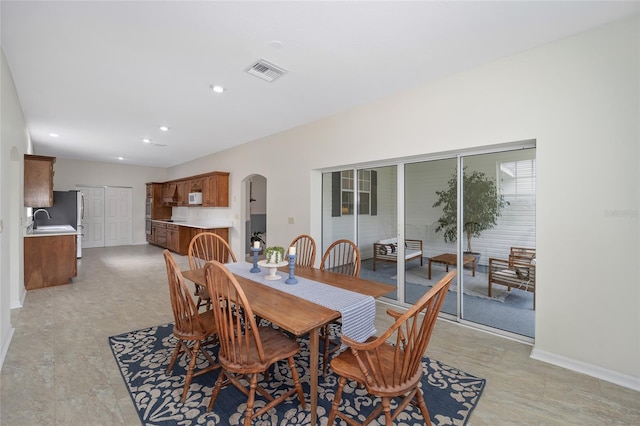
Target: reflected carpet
x=473, y=286
x=143, y=356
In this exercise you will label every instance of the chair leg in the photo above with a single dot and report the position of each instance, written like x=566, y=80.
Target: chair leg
x=192, y=366
x=174, y=357
x=386, y=407
x=336, y=400
x=423, y=407
x=252, y=399
x=216, y=390
x=296, y=382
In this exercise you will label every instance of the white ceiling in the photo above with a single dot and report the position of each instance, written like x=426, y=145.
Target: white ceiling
x=105, y=75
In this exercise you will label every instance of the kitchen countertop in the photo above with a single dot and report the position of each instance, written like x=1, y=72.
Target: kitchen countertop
x=50, y=231
x=203, y=224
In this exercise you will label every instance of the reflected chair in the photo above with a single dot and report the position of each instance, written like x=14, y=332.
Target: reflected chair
x=342, y=257
x=203, y=247
x=391, y=370
x=519, y=271
x=246, y=350
x=192, y=329
x=305, y=250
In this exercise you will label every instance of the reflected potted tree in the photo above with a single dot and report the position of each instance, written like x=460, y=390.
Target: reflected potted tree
x=482, y=207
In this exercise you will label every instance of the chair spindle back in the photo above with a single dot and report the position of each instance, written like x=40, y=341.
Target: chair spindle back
x=343, y=257
x=207, y=246
x=413, y=331
x=185, y=312
x=237, y=329
x=305, y=249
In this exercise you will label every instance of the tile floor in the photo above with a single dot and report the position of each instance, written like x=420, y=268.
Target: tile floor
x=59, y=369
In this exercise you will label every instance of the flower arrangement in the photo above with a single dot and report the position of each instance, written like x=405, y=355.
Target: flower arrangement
x=274, y=254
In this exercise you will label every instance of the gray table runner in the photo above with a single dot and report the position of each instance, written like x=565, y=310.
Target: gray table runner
x=358, y=310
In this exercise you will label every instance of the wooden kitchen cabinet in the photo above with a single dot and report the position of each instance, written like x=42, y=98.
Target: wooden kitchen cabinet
x=215, y=190
x=183, y=189
x=170, y=194
x=49, y=260
x=173, y=237
x=38, y=180
x=155, y=193
x=196, y=185
x=177, y=238
x=159, y=232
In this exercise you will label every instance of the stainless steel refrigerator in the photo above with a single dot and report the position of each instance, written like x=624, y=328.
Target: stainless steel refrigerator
x=67, y=209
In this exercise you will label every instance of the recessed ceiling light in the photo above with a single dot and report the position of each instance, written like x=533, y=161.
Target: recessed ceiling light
x=217, y=89
x=164, y=128
x=146, y=140
x=54, y=135
x=120, y=158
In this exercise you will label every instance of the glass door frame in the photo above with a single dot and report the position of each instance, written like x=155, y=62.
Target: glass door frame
x=400, y=164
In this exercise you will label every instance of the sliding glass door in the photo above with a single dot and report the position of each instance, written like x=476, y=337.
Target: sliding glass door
x=499, y=234
x=423, y=182
x=361, y=205
x=474, y=210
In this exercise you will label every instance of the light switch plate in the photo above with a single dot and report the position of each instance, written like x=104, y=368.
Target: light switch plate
x=290, y=221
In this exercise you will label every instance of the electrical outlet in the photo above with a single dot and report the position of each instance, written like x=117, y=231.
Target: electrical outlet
x=291, y=221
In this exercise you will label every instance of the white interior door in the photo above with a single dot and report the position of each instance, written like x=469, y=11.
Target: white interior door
x=93, y=225
x=107, y=216
x=118, y=216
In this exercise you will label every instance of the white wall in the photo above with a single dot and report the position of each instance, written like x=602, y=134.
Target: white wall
x=14, y=142
x=69, y=173
x=578, y=98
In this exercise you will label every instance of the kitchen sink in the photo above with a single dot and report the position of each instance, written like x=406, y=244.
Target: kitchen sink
x=53, y=229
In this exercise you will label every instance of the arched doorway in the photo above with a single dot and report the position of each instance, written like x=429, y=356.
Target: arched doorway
x=255, y=209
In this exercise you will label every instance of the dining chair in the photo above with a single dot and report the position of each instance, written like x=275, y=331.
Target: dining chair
x=391, y=370
x=192, y=329
x=203, y=247
x=343, y=257
x=305, y=249
x=246, y=350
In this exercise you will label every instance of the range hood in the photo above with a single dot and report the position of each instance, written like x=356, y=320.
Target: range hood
x=170, y=196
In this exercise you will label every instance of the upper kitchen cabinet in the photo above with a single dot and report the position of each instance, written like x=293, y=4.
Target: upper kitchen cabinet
x=183, y=189
x=215, y=190
x=38, y=180
x=158, y=210
x=196, y=185
x=170, y=194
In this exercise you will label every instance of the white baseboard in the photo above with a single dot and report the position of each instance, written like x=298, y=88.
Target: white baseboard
x=5, y=347
x=611, y=376
x=15, y=304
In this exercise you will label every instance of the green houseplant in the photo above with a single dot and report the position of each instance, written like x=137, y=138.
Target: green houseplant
x=482, y=206
x=274, y=254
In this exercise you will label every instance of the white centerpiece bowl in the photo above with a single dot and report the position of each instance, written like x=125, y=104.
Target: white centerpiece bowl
x=272, y=267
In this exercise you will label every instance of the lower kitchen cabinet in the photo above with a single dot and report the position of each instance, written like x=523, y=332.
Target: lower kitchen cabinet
x=176, y=237
x=173, y=237
x=49, y=260
x=159, y=234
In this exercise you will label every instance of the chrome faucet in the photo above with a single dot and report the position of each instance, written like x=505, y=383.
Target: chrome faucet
x=33, y=216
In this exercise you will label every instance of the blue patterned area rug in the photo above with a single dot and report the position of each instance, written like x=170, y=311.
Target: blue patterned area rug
x=143, y=356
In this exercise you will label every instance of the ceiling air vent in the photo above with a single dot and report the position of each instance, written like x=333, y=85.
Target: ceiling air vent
x=266, y=70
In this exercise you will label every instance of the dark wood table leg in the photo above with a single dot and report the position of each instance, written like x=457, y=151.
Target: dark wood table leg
x=314, y=355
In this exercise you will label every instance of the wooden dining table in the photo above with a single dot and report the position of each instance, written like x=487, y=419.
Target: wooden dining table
x=298, y=316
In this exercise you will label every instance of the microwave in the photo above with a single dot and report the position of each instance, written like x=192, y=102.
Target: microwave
x=195, y=198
